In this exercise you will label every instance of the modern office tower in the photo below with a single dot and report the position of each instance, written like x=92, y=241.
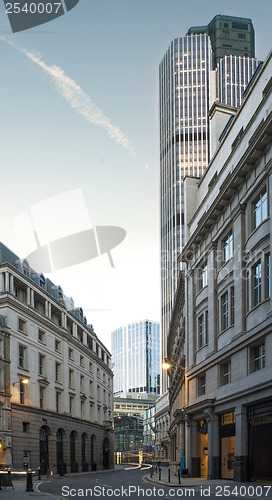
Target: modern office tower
x=229, y=36
x=232, y=76
x=192, y=76
x=136, y=358
x=184, y=150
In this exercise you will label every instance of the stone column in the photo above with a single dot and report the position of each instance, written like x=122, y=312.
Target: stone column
x=6, y=282
x=28, y=299
x=212, y=296
x=239, y=270
x=49, y=310
x=213, y=444
x=12, y=284
x=241, y=446
x=32, y=303
x=190, y=320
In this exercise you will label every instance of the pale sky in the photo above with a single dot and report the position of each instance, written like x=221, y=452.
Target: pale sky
x=79, y=111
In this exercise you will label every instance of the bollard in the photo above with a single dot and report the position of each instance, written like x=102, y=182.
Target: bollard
x=168, y=474
x=39, y=473
x=151, y=470
x=29, y=483
x=159, y=473
x=179, y=475
x=156, y=468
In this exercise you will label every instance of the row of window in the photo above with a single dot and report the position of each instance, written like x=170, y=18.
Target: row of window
x=259, y=214
x=258, y=288
x=22, y=328
x=256, y=363
x=59, y=401
x=22, y=364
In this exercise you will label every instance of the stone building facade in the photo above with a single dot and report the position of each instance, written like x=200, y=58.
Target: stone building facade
x=61, y=418
x=228, y=309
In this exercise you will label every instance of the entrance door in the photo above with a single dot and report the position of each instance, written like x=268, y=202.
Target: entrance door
x=44, y=458
x=227, y=457
x=106, y=454
x=204, y=455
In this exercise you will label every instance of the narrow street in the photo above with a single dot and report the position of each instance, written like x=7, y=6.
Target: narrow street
x=131, y=483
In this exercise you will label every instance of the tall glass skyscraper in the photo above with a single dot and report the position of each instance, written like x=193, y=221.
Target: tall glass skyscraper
x=136, y=358
x=195, y=71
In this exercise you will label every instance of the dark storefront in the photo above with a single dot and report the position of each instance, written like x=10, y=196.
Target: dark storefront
x=259, y=441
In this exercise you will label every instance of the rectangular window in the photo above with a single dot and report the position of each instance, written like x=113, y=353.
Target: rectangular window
x=268, y=277
x=257, y=357
x=41, y=364
x=81, y=360
x=57, y=345
x=81, y=383
x=41, y=398
x=71, y=353
x=71, y=405
x=260, y=211
x=225, y=311
x=22, y=357
x=22, y=325
x=22, y=392
x=257, y=284
x=232, y=306
x=41, y=336
x=26, y=426
x=201, y=385
x=201, y=331
x=57, y=402
x=225, y=373
x=207, y=326
x=57, y=372
x=203, y=276
x=228, y=247
x=71, y=373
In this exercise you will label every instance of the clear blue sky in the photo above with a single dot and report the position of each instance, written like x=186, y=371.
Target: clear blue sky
x=111, y=49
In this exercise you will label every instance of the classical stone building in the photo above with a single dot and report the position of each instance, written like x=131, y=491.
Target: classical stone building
x=56, y=395
x=228, y=309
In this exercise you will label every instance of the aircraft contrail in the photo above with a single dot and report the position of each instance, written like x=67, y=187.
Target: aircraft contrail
x=77, y=98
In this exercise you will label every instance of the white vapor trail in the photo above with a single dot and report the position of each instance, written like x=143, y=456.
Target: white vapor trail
x=77, y=98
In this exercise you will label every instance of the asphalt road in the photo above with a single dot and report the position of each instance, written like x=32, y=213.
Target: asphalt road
x=131, y=484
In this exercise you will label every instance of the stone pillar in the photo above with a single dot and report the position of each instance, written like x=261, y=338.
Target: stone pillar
x=212, y=297
x=241, y=446
x=49, y=310
x=2, y=287
x=7, y=282
x=12, y=284
x=190, y=320
x=32, y=303
x=239, y=270
x=195, y=458
x=28, y=300
x=213, y=445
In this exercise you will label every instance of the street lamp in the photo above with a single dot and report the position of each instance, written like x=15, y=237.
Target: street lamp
x=21, y=381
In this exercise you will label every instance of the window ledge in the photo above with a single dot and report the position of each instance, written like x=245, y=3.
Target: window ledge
x=258, y=305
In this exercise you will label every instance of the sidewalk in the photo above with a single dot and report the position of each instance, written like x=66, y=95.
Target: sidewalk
x=194, y=482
